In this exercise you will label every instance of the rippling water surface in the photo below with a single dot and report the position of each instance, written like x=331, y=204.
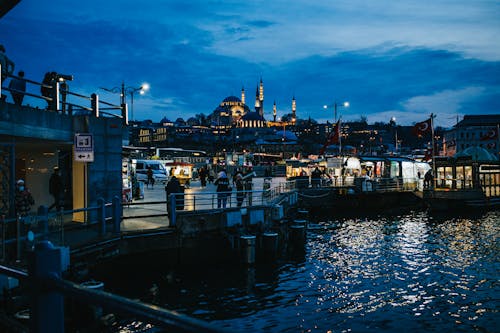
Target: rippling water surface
x=412, y=273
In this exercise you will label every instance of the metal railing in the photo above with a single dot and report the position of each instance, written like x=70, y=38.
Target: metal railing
x=19, y=233
x=203, y=201
x=63, y=100
x=48, y=293
x=377, y=184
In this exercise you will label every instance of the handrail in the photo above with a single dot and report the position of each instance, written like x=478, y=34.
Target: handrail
x=58, y=99
x=143, y=311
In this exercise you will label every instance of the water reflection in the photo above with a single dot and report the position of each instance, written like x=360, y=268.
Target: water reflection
x=406, y=273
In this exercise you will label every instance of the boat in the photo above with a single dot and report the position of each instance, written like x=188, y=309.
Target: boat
x=468, y=180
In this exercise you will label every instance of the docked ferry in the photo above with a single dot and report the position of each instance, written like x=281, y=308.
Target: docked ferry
x=470, y=179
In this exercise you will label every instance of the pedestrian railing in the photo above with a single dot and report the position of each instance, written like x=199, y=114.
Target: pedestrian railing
x=364, y=184
x=18, y=234
x=202, y=201
x=48, y=292
x=61, y=99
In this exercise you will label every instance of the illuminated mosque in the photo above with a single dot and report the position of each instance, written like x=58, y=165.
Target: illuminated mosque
x=234, y=112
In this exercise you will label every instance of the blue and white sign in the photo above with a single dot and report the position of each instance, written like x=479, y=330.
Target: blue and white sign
x=84, y=147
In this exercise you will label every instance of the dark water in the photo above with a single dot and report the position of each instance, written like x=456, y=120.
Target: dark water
x=411, y=273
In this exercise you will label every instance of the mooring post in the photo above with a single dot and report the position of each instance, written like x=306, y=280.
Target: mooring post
x=117, y=214
x=47, y=305
x=102, y=214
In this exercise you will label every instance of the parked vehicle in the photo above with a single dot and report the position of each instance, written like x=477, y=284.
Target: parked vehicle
x=141, y=170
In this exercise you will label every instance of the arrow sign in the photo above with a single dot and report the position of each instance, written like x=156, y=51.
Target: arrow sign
x=84, y=156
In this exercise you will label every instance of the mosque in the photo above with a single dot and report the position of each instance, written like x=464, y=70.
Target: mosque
x=233, y=112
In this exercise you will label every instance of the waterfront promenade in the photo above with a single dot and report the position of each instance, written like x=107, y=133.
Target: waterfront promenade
x=132, y=213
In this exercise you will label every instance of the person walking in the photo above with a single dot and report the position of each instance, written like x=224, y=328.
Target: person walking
x=151, y=179
x=18, y=84
x=23, y=199
x=56, y=189
x=223, y=189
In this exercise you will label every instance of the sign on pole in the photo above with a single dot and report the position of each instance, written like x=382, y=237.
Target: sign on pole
x=84, y=147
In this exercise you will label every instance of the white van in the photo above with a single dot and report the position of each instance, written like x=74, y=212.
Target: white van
x=141, y=170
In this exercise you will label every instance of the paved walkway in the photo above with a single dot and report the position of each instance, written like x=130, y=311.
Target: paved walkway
x=157, y=194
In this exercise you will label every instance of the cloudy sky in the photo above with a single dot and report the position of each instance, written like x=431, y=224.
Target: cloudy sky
x=403, y=59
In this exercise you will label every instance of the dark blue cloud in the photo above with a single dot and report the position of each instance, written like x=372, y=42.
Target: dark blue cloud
x=180, y=56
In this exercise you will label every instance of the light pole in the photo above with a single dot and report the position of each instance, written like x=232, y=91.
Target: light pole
x=123, y=91
x=335, y=105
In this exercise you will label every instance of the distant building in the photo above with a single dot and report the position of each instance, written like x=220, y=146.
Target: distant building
x=473, y=131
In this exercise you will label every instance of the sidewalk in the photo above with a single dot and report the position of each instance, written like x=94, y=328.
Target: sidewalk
x=157, y=193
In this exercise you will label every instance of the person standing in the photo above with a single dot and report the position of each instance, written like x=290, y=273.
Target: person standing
x=203, y=176
x=240, y=189
x=48, y=90
x=56, y=189
x=173, y=186
x=23, y=199
x=316, y=177
x=6, y=63
x=222, y=183
x=18, y=84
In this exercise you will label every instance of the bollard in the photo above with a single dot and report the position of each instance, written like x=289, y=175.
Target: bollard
x=47, y=306
x=302, y=214
x=270, y=244
x=300, y=223
x=297, y=236
x=247, y=247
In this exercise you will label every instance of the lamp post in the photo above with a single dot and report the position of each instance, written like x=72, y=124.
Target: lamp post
x=335, y=105
x=123, y=91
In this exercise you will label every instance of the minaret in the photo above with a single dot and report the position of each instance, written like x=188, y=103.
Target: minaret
x=257, y=100
x=243, y=95
x=274, y=111
x=294, y=110
x=261, y=97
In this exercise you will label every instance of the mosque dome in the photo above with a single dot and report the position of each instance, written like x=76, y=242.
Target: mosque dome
x=231, y=99
x=477, y=154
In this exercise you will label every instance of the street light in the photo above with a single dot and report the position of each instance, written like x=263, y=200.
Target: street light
x=335, y=105
x=123, y=91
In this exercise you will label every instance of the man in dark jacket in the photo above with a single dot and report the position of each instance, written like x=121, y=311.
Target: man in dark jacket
x=173, y=186
x=56, y=189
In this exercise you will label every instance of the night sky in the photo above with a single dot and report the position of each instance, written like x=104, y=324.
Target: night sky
x=403, y=59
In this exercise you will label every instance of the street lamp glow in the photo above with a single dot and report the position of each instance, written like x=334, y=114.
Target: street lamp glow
x=144, y=88
x=346, y=104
